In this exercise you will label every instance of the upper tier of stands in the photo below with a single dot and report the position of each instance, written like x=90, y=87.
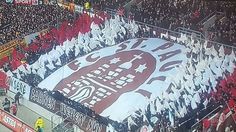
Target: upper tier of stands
x=19, y=21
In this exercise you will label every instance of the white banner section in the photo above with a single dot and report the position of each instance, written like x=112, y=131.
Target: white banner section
x=17, y=85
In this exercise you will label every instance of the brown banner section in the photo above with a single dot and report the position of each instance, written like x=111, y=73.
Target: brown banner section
x=45, y=100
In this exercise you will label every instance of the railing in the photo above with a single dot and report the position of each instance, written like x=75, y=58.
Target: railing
x=190, y=32
x=213, y=111
x=66, y=128
x=209, y=16
x=110, y=11
x=59, y=119
x=70, y=129
x=206, y=18
x=130, y=3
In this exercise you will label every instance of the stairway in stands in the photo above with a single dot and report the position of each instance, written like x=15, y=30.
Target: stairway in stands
x=64, y=127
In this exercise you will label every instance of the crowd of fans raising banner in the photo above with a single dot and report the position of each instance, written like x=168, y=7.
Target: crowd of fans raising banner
x=223, y=31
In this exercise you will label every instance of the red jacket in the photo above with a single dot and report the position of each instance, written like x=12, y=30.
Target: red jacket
x=14, y=108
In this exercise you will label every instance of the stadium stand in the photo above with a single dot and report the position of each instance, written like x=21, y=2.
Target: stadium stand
x=19, y=21
x=51, y=51
x=224, y=28
x=171, y=15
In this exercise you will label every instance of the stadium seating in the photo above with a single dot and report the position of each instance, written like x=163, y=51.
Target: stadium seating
x=87, y=33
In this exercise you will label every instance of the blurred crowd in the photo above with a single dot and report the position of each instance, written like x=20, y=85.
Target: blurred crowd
x=224, y=30
x=171, y=14
x=20, y=20
x=102, y=4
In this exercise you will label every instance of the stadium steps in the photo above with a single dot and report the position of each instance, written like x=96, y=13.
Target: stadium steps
x=63, y=127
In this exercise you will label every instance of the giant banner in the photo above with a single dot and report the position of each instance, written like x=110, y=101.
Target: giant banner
x=16, y=85
x=112, y=80
x=45, y=100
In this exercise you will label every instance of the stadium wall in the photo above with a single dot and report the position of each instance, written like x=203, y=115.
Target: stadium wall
x=37, y=109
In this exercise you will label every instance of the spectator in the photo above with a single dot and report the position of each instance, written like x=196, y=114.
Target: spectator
x=6, y=105
x=39, y=124
x=39, y=129
x=17, y=97
x=14, y=108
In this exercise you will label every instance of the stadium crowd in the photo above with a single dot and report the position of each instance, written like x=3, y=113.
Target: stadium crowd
x=189, y=14
x=48, y=66
x=102, y=4
x=194, y=104
x=173, y=14
x=224, y=30
x=21, y=20
x=51, y=51
x=170, y=14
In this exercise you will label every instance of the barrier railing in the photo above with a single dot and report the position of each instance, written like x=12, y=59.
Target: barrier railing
x=210, y=113
x=207, y=17
x=5, y=49
x=57, y=118
x=190, y=32
x=65, y=127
